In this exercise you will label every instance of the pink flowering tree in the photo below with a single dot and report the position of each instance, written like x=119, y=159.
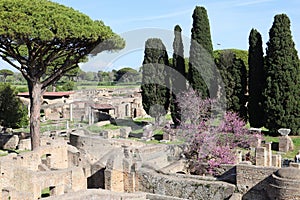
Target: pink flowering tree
x=211, y=138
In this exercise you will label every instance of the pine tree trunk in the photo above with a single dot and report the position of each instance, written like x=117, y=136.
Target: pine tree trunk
x=35, y=94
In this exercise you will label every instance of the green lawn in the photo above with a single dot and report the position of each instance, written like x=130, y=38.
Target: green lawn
x=97, y=129
x=291, y=154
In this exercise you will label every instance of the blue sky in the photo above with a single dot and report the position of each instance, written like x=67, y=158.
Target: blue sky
x=230, y=23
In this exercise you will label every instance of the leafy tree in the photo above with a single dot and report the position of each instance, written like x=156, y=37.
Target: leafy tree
x=12, y=112
x=38, y=33
x=256, y=79
x=90, y=76
x=155, y=83
x=5, y=73
x=178, y=74
x=212, y=144
x=67, y=86
x=18, y=78
x=234, y=77
x=103, y=76
x=127, y=74
x=281, y=94
x=201, y=51
x=239, y=53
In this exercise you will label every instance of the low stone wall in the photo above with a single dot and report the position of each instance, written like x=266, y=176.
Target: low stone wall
x=188, y=188
x=98, y=146
x=253, y=181
x=117, y=133
x=100, y=194
x=32, y=183
x=285, y=184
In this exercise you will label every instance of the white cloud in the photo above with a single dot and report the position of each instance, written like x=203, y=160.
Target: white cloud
x=248, y=3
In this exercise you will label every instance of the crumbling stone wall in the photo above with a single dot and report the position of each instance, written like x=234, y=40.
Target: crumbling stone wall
x=284, y=184
x=253, y=181
x=97, y=146
x=26, y=174
x=188, y=188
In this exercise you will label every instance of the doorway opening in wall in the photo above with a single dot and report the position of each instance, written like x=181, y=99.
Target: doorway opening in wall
x=96, y=180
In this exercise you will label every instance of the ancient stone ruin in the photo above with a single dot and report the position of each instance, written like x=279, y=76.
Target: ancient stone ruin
x=89, y=166
x=78, y=164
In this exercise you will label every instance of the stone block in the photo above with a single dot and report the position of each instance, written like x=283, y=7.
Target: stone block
x=25, y=144
x=268, y=147
x=295, y=165
x=285, y=144
x=124, y=132
x=11, y=143
x=236, y=196
x=276, y=160
x=102, y=123
x=261, y=156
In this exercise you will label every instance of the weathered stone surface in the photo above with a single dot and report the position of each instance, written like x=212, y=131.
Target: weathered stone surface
x=288, y=173
x=252, y=181
x=124, y=132
x=261, y=156
x=286, y=144
x=100, y=194
x=147, y=131
x=102, y=123
x=285, y=184
x=236, y=196
x=9, y=141
x=186, y=188
x=25, y=144
x=295, y=165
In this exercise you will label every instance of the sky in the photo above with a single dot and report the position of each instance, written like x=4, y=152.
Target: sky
x=136, y=21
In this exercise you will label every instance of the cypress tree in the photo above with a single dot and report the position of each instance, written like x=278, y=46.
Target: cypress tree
x=155, y=83
x=256, y=79
x=234, y=76
x=201, y=53
x=177, y=74
x=281, y=93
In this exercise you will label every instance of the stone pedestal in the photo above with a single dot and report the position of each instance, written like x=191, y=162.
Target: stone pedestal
x=295, y=165
x=268, y=147
x=285, y=144
x=276, y=160
x=261, y=156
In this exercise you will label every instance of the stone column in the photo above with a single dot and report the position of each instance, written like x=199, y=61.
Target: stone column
x=71, y=111
x=268, y=147
x=261, y=156
x=276, y=160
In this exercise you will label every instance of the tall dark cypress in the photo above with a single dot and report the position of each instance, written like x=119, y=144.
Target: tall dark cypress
x=155, y=82
x=201, y=53
x=234, y=76
x=177, y=74
x=256, y=79
x=282, y=91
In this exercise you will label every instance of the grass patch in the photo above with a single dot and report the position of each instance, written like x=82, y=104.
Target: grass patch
x=168, y=117
x=143, y=119
x=96, y=129
x=271, y=139
x=45, y=192
x=138, y=131
x=158, y=132
x=290, y=154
